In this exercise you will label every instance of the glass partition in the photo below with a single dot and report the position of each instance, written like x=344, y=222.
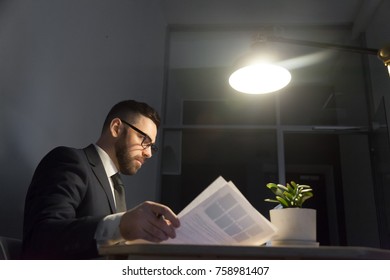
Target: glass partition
x=309, y=132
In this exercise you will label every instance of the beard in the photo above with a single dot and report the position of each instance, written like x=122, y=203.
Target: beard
x=128, y=165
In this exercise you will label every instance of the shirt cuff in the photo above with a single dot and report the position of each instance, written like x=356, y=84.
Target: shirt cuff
x=107, y=232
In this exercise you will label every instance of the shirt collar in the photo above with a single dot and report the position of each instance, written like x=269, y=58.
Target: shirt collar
x=108, y=164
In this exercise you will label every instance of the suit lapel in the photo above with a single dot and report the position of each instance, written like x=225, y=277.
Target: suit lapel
x=98, y=169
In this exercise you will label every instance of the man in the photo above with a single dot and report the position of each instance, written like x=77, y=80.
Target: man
x=71, y=205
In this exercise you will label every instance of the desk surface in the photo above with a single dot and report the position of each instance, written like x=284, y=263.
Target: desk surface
x=174, y=251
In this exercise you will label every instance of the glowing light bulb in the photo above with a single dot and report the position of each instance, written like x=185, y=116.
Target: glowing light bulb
x=260, y=78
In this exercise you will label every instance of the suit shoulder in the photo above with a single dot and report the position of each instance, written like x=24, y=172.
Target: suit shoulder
x=63, y=154
x=63, y=150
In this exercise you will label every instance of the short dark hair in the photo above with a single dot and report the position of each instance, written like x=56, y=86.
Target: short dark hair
x=131, y=110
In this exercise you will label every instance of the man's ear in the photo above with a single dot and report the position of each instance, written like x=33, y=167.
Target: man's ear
x=116, y=127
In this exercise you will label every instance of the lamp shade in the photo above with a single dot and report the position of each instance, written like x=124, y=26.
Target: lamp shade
x=257, y=73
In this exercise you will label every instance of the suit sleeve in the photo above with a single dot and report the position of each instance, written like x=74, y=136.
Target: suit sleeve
x=53, y=228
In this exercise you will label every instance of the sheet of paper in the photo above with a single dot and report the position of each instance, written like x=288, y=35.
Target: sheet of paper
x=221, y=215
x=212, y=188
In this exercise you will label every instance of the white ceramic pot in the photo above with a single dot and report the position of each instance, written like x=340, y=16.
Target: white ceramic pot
x=296, y=226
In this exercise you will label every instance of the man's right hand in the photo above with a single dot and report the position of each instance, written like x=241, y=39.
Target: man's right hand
x=150, y=221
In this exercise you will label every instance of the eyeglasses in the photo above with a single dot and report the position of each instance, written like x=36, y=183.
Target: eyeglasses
x=146, y=141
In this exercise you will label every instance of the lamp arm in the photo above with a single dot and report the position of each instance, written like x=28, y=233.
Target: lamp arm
x=323, y=45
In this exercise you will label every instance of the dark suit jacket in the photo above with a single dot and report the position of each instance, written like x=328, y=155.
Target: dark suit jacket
x=68, y=196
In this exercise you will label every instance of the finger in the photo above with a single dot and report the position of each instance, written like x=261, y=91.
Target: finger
x=165, y=212
x=162, y=227
x=159, y=232
x=152, y=238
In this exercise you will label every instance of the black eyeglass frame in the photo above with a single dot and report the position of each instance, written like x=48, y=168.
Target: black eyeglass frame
x=152, y=146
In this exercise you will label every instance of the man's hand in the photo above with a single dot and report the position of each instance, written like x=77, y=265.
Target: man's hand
x=150, y=221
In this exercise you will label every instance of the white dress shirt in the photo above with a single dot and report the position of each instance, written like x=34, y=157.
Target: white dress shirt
x=107, y=231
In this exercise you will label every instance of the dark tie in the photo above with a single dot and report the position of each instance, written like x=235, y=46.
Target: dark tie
x=119, y=192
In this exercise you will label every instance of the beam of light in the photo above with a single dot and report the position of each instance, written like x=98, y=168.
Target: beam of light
x=306, y=60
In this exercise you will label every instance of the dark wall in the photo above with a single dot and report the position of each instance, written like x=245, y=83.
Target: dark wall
x=63, y=65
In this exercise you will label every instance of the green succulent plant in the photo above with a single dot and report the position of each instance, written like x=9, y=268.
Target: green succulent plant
x=291, y=195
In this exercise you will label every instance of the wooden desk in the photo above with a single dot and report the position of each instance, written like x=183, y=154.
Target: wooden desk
x=173, y=251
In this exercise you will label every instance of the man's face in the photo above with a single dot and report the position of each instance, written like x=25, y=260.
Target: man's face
x=131, y=155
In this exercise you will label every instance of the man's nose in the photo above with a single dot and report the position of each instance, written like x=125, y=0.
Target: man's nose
x=147, y=152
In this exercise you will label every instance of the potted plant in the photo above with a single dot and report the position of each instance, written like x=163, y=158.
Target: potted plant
x=296, y=225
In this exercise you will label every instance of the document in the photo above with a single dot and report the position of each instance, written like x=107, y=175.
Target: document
x=221, y=215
